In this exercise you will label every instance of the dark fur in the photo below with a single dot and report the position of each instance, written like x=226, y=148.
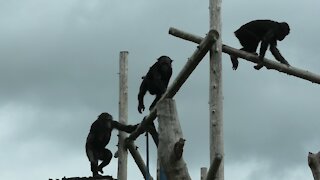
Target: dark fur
x=265, y=31
x=99, y=136
x=156, y=81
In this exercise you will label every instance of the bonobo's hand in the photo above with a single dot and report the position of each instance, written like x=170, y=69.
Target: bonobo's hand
x=133, y=127
x=285, y=62
x=259, y=65
x=141, y=108
x=136, y=126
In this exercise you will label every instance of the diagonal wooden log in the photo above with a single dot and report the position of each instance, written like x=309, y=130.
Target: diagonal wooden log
x=314, y=164
x=138, y=159
x=186, y=71
x=269, y=64
x=214, y=167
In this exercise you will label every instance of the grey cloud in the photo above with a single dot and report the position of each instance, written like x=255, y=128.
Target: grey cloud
x=59, y=65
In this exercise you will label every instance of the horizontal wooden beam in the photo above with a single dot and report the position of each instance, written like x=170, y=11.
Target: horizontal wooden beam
x=269, y=64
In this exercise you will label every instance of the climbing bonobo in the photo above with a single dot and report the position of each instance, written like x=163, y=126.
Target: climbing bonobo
x=156, y=81
x=265, y=31
x=99, y=136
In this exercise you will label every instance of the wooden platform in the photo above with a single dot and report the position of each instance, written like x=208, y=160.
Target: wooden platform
x=87, y=178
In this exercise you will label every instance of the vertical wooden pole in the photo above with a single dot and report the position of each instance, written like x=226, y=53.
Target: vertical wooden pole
x=123, y=115
x=215, y=94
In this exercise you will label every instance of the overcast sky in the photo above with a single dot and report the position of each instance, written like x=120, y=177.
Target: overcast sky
x=59, y=65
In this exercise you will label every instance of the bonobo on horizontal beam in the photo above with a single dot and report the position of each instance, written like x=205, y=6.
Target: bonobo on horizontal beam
x=269, y=64
x=191, y=64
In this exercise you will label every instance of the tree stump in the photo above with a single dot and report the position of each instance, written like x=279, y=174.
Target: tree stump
x=171, y=141
x=314, y=164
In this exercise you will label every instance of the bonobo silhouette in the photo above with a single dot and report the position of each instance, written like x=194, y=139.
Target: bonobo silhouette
x=265, y=31
x=98, y=137
x=156, y=81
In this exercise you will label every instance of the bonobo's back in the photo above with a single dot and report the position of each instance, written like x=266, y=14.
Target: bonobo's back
x=165, y=67
x=258, y=27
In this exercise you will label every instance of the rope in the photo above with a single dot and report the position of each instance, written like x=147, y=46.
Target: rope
x=147, y=153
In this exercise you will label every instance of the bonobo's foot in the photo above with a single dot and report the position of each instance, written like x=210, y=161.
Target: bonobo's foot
x=141, y=108
x=259, y=65
x=96, y=175
x=235, y=62
x=100, y=170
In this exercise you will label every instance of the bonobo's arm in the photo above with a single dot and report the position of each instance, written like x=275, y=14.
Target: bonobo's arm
x=266, y=40
x=122, y=127
x=142, y=92
x=276, y=53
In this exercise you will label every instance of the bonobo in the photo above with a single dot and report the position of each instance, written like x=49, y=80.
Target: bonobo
x=156, y=81
x=266, y=31
x=99, y=137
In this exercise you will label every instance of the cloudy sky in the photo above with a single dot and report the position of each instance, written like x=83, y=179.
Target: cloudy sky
x=59, y=65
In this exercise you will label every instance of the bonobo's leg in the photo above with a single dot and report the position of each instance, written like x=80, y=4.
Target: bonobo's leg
x=94, y=169
x=106, y=156
x=93, y=161
x=234, y=61
x=159, y=89
x=250, y=49
x=142, y=91
x=249, y=41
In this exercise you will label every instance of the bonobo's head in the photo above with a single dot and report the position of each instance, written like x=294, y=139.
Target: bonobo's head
x=283, y=31
x=105, y=116
x=165, y=63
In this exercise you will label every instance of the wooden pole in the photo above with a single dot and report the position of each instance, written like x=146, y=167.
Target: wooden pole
x=171, y=142
x=123, y=115
x=215, y=91
x=203, y=173
x=303, y=74
x=191, y=64
x=314, y=164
